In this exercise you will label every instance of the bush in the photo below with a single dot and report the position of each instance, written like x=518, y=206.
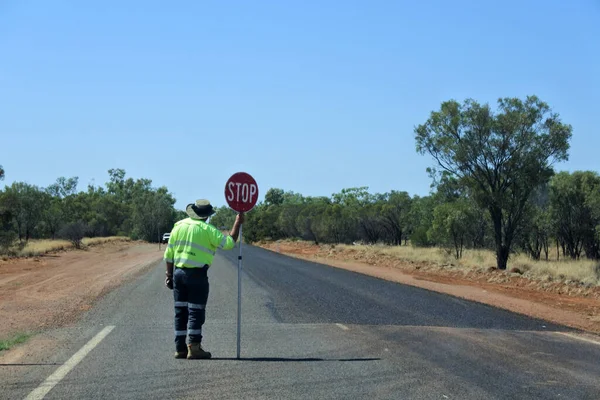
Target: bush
x=74, y=233
x=419, y=238
x=6, y=241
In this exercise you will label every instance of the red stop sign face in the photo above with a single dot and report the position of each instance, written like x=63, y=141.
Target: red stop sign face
x=241, y=192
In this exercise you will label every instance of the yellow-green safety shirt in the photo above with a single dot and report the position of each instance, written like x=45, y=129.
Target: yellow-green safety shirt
x=193, y=244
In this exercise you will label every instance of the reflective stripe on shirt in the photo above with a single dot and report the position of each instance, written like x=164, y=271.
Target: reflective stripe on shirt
x=192, y=245
x=185, y=261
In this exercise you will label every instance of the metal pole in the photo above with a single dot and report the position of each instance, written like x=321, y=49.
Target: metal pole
x=239, y=307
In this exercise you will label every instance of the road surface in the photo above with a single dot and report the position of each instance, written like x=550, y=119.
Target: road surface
x=309, y=332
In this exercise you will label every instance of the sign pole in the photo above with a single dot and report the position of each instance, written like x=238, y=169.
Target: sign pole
x=241, y=193
x=239, y=306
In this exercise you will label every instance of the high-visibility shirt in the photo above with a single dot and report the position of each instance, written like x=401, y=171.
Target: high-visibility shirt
x=193, y=244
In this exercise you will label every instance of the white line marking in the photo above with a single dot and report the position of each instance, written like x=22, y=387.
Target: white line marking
x=578, y=338
x=64, y=369
x=342, y=326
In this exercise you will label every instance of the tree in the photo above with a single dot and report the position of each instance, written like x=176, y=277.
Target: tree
x=152, y=213
x=352, y=197
x=451, y=225
x=126, y=207
x=7, y=210
x=54, y=211
x=572, y=198
x=500, y=157
x=395, y=216
x=421, y=220
x=310, y=220
x=1, y=173
x=116, y=185
x=223, y=217
x=291, y=197
x=274, y=196
x=63, y=187
x=287, y=219
x=370, y=225
x=28, y=204
x=53, y=215
x=338, y=224
x=537, y=226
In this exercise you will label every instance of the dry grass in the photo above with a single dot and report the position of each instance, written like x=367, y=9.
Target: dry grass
x=100, y=240
x=584, y=271
x=404, y=253
x=35, y=248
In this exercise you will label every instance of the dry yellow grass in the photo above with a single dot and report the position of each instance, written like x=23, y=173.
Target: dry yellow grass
x=100, y=240
x=584, y=271
x=38, y=247
x=404, y=253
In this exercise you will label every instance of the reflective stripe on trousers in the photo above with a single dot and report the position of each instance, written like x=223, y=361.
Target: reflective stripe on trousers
x=190, y=294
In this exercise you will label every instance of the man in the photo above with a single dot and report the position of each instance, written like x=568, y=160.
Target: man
x=191, y=249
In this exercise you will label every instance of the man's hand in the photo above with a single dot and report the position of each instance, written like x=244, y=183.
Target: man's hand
x=169, y=273
x=240, y=218
x=235, y=231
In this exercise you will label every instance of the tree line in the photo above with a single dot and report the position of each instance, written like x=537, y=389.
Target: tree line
x=494, y=187
x=124, y=207
x=563, y=216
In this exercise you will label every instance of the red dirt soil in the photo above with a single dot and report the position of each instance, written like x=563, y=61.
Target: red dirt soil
x=51, y=290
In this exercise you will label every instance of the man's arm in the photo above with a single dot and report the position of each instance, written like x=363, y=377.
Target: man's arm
x=169, y=273
x=227, y=242
x=169, y=259
x=235, y=231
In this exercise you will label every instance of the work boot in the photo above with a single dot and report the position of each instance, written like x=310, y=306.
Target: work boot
x=195, y=351
x=181, y=354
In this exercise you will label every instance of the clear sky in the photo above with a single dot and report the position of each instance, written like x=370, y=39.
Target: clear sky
x=310, y=96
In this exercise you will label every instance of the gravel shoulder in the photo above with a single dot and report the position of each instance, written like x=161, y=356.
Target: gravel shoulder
x=53, y=290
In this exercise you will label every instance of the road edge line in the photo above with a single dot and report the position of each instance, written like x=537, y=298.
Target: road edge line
x=581, y=338
x=42, y=390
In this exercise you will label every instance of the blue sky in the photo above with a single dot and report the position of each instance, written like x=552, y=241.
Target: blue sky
x=309, y=96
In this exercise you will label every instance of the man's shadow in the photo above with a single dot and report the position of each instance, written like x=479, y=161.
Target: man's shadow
x=286, y=359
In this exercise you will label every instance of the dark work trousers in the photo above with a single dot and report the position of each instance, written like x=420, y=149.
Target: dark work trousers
x=190, y=291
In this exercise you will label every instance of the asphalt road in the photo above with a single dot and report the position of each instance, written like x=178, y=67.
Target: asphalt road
x=312, y=332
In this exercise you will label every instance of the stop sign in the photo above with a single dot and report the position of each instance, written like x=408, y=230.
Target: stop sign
x=241, y=192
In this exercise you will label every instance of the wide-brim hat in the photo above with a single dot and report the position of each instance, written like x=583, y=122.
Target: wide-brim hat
x=202, y=209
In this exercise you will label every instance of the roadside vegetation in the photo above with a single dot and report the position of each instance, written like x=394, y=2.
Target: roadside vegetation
x=577, y=272
x=496, y=199
x=38, y=247
x=585, y=271
x=35, y=220
x=7, y=344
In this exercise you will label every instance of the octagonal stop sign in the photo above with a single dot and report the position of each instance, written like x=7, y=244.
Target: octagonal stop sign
x=241, y=192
